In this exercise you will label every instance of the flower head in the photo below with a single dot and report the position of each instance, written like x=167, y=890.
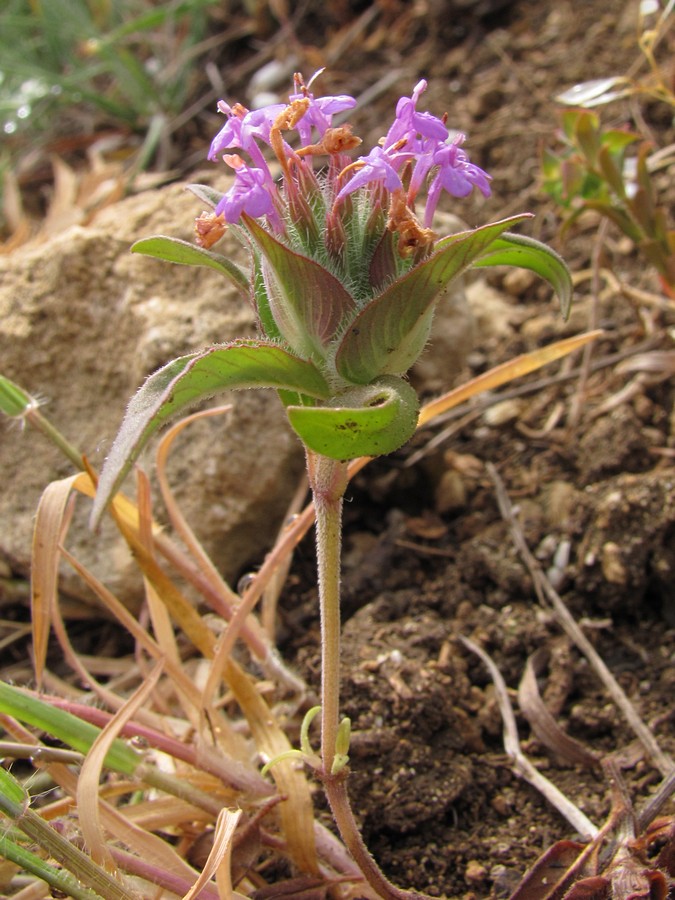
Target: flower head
x=340, y=237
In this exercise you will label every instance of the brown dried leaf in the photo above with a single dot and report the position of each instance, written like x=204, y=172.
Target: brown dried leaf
x=548, y=872
x=51, y=524
x=542, y=722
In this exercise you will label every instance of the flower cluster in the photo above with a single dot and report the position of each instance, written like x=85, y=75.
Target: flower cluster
x=418, y=152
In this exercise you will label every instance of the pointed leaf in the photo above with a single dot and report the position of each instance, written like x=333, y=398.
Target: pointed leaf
x=14, y=401
x=390, y=332
x=611, y=172
x=206, y=194
x=516, y=250
x=75, y=732
x=189, y=379
x=365, y=421
x=186, y=254
x=587, y=136
x=307, y=301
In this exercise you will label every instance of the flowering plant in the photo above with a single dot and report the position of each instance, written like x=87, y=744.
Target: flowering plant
x=345, y=275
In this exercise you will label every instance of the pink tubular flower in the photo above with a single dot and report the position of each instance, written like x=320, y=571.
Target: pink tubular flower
x=378, y=166
x=409, y=122
x=250, y=193
x=320, y=111
x=455, y=174
x=417, y=154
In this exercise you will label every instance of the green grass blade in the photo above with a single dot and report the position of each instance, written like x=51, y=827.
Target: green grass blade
x=66, y=727
x=58, y=879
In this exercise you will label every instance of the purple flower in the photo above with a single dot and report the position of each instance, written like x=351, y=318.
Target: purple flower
x=244, y=129
x=378, y=166
x=455, y=174
x=320, y=111
x=409, y=122
x=249, y=194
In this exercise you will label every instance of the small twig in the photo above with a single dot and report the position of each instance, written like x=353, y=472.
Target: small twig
x=579, y=399
x=548, y=597
x=656, y=802
x=521, y=763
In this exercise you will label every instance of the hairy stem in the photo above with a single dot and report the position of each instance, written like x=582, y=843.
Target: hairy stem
x=335, y=787
x=328, y=480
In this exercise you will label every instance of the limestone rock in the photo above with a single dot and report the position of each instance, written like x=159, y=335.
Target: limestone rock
x=82, y=322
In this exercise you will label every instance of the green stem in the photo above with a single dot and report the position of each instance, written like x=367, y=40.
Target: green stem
x=328, y=479
x=335, y=788
x=59, y=879
x=77, y=863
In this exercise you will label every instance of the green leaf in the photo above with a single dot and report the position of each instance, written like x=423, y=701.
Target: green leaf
x=365, y=421
x=617, y=139
x=390, y=332
x=14, y=795
x=526, y=253
x=206, y=194
x=14, y=401
x=65, y=726
x=611, y=172
x=307, y=301
x=195, y=377
x=588, y=137
x=186, y=254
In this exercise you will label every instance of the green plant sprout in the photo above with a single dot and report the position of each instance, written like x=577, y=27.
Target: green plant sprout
x=594, y=172
x=593, y=169
x=344, y=278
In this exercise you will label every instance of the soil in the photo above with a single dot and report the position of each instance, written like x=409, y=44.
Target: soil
x=428, y=555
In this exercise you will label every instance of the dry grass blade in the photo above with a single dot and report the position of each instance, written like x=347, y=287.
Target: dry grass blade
x=247, y=626
x=549, y=597
x=218, y=860
x=180, y=608
x=159, y=614
x=87, y=785
x=508, y=371
x=125, y=828
x=35, y=891
x=50, y=525
x=297, y=815
x=176, y=517
x=135, y=629
x=542, y=722
x=521, y=764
